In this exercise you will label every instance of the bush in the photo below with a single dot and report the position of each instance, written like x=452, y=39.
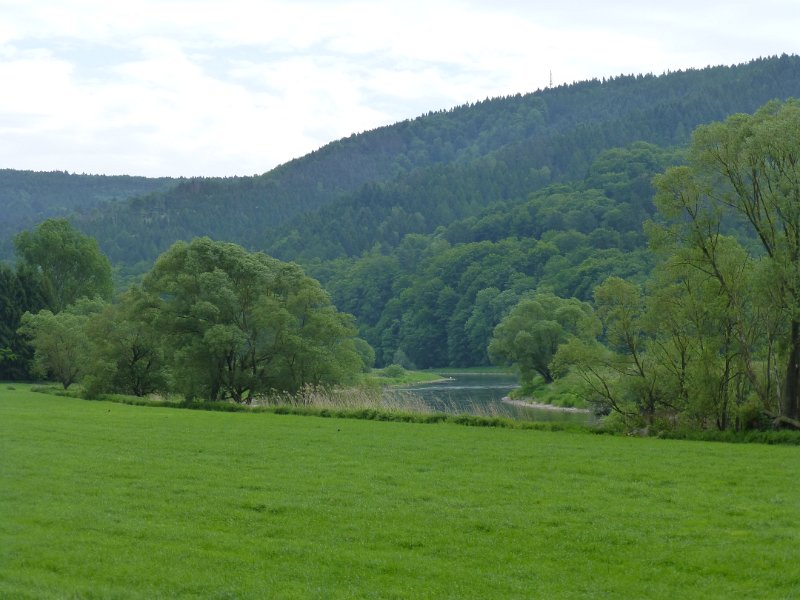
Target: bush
x=750, y=415
x=614, y=423
x=394, y=371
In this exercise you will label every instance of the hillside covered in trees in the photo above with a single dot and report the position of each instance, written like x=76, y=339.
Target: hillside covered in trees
x=415, y=175
x=29, y=197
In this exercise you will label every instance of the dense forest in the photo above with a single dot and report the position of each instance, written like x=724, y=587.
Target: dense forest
x=434, y=232
x=29, y=197
x=437, y=168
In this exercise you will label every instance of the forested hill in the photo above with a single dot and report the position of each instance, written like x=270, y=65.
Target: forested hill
x=29, y=197
x=426, y=172
x=581, y=121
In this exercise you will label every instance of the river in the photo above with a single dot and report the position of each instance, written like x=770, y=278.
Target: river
x=480, y=394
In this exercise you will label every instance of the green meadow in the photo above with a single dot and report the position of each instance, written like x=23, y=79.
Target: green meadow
x=105, y=500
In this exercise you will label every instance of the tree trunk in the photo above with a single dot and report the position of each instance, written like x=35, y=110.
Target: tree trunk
x=786, y=423
x=792, y=387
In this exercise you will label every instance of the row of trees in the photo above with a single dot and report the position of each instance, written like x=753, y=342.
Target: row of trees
x=713, y=336
x=209, y=321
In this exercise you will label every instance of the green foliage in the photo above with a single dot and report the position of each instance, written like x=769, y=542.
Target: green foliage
x=619, y=376
x=366, y=353
x=20, y=292
x=746, y=171
x=565, y=391
x=128, y=355
x=394, y=371
x=237, y=324
x=211, y=321
x=674, y=353
x=69, y=264
x=62, y=348
x=534, y=329
x=29, y=197
x=704, y=344
x=437, y=298
x=56, y=266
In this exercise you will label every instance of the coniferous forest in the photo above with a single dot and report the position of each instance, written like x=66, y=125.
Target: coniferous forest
x=605, y=232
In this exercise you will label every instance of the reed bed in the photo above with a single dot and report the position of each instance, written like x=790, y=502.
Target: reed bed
x=370, y=398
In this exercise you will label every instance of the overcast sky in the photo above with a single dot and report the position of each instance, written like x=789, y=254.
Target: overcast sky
x=236, y=87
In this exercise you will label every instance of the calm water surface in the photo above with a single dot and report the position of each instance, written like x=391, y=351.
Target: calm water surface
x=482, y=394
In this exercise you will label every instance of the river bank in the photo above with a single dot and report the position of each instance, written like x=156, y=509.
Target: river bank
x=542, y=406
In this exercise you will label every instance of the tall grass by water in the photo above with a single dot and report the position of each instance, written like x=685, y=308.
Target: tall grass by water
x=372, y=402
x=381, y=399
x=103, y=500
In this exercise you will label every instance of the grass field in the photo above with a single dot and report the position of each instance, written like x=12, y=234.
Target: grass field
x=102, y=500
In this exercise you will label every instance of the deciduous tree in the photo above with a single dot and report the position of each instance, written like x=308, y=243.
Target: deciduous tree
x=238, y=323
x=62, y=347
x=531, y=333
x=70, y=264
x=747, y=170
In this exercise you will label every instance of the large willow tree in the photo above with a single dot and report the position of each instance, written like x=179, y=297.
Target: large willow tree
x=237, y=324
x=745, y=173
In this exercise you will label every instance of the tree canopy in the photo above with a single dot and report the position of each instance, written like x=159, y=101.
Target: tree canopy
x=238, y=323
x=60, y=340
x=713, y=336
x=20, y=292
x=210, y=321
x=531, y=334
x=746, y=172
x=69, y=263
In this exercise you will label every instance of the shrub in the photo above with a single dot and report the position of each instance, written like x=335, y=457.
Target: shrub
x=394, y=371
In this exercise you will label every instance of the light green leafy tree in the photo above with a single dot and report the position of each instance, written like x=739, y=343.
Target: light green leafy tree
x=712, y=303
x=747, y=170
x=681, y=351
x=127, y=353
x=531, y=333
x=619, y=375
x=633, y=372
x=62, y=349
